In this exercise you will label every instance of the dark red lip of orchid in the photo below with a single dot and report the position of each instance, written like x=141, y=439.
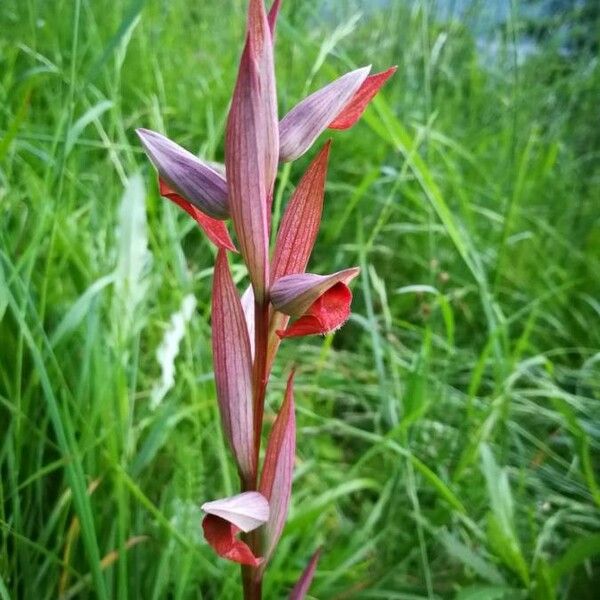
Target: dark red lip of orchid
x=321, y=303
x=226, y=517
x=221, y=535
x=216, y=231
x=328, y=313
x=354, y=110
x=246, y=332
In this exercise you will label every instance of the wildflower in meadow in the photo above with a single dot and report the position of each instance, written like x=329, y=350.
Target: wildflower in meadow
x=247, y=330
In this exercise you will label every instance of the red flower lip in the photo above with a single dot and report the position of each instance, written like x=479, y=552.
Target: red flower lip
x=216, y=230
x=220, y=534
x=356, y=107
x=322, y=303
x=309, y=118
x=227, y=517
x=328, y=313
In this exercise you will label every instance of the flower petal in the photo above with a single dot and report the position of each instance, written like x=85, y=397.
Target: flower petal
x=215, y=230
x=220, y=534
x=328, y=313
x=233, y=368
x=301, y=220
x=252, y=148
x=294, y=294
x=186, y=174
x=356, y=107
x=308, y=119
x=278, y=468
x=246, y=511
x=301, y=588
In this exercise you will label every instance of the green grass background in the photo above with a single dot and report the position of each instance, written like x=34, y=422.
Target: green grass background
x=448, y=436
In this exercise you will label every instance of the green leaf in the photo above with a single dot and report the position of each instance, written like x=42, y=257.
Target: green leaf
x=498, y=487
x=134, y=256
x=416, y=398
x=64, y=430
x=456, y=548
x=485, y=592
x=505, y=544
x=544, y=588
x=78, y=310
x=88, y=117
x=580, y=551
x=583, y=445
x=15, y=124
x=328, y=498
x=4, y=595
x=501, y=529
x=119, y=41
x=3, y=292
x=443, y=490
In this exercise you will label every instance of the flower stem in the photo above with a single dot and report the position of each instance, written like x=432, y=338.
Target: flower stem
x=252, y=576
x=252, y=583
x=259, y=375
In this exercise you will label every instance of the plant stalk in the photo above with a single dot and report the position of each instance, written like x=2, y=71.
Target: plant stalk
x=252, y=583
x=252, y=576
x=259, y=374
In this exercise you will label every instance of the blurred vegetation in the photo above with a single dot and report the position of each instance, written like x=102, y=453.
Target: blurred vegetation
x=448, y=436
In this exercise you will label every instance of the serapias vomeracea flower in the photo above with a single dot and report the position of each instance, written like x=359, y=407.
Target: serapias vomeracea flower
x=338, y=105
x=226, y=517
x=195, y=186
x=247, y=331
x=320, y=302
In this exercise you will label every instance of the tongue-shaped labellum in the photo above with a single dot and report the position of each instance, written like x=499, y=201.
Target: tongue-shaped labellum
x=322, y=303
x=227, y=517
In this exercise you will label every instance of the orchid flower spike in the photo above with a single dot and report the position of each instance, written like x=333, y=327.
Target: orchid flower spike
x=247, y=330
